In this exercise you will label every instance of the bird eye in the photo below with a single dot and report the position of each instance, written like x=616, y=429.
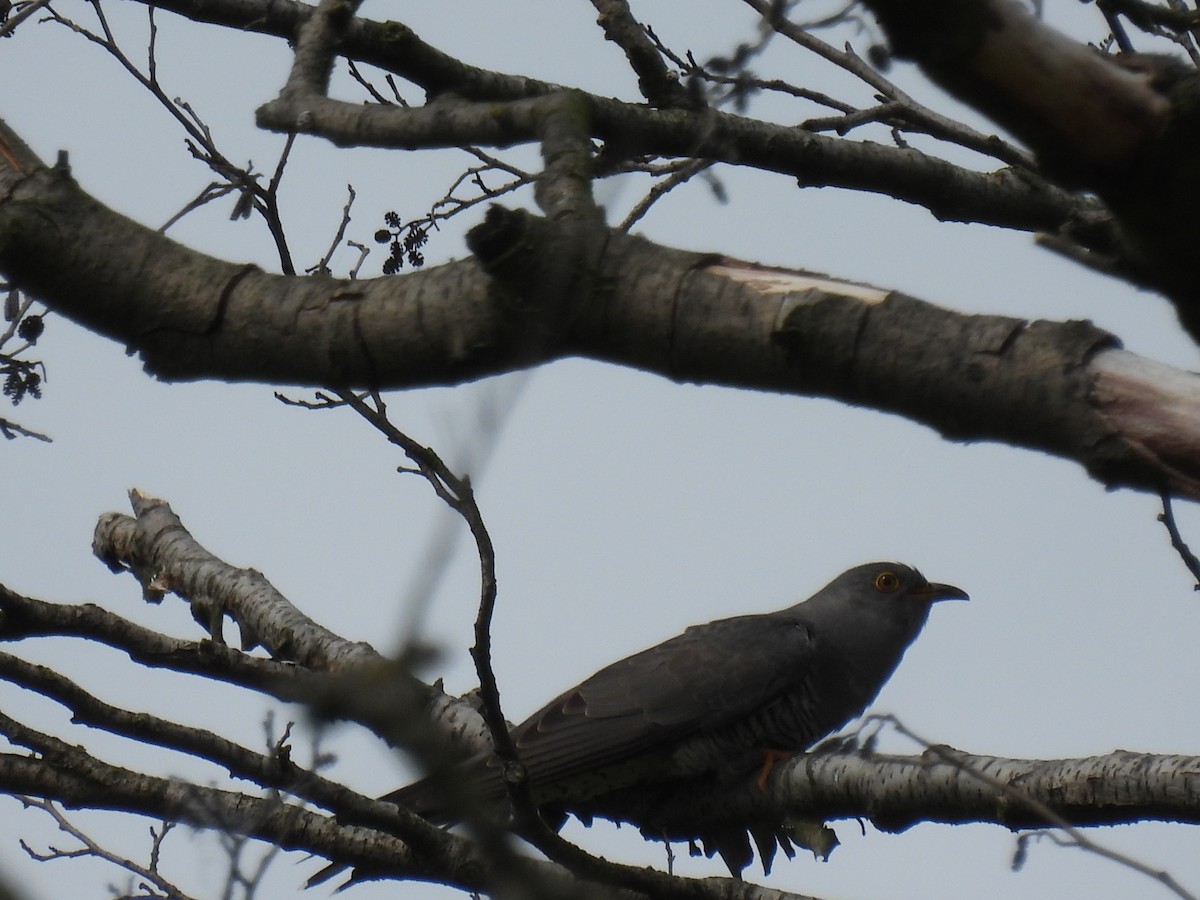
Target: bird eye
x=887, y=582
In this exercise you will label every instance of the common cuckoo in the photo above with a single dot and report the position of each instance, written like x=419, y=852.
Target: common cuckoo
x=721, y=702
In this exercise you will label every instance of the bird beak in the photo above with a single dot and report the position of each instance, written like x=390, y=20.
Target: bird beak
x=934, y=592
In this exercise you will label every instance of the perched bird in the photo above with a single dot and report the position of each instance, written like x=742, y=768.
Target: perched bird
x=724, y=700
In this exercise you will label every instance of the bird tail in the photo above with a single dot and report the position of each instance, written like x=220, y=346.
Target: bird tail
x=427, y=798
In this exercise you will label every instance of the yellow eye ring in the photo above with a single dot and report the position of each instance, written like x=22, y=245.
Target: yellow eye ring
x=887, y=582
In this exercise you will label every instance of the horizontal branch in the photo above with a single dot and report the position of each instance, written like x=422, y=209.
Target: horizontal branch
x=1110, y=789
x=898, y=792
x=25, y=617
x=470, y=105
x=1062, y=388
x=67, y=774
x=1008, y=199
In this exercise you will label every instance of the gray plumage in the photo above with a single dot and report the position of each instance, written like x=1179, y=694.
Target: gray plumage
x=713, y=701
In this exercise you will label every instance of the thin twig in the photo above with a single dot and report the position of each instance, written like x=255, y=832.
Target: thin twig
x=843, y=125
x=211, y=192
x=366, y=85
x=744, y=81
x=916, y=114
x=11, y=430
x=457, y=493
x=363, y=252
x=26, y=11
x=661, y=189
x=200, y=140
x=92, y=848
x=323, y=265
x=1167, y=517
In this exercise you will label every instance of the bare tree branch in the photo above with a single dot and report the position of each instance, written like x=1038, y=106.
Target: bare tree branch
x=1111, y=124
x=90, y=847
x=901, y=106
x=1167, y=517
x=1068, y=832
x=656, y=82
x=159, y=552
x=896, y=792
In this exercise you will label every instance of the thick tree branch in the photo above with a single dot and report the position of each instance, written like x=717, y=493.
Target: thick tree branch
x=1008, y=198
x=160, y=553
x=390, y=46
x=316, y=47
x=897, y=792
x=684, y=315
x=1122, y=126
x=1084, y=114
x=564, y=188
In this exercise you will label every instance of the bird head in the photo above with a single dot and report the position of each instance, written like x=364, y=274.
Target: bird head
x=880, y=604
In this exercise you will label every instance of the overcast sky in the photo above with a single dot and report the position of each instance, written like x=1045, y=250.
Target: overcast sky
x=623, y=507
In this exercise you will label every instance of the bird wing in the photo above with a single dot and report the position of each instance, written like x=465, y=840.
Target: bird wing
x=707, y=677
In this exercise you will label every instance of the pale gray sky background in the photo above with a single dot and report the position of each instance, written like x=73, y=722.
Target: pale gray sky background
x=623, y=507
